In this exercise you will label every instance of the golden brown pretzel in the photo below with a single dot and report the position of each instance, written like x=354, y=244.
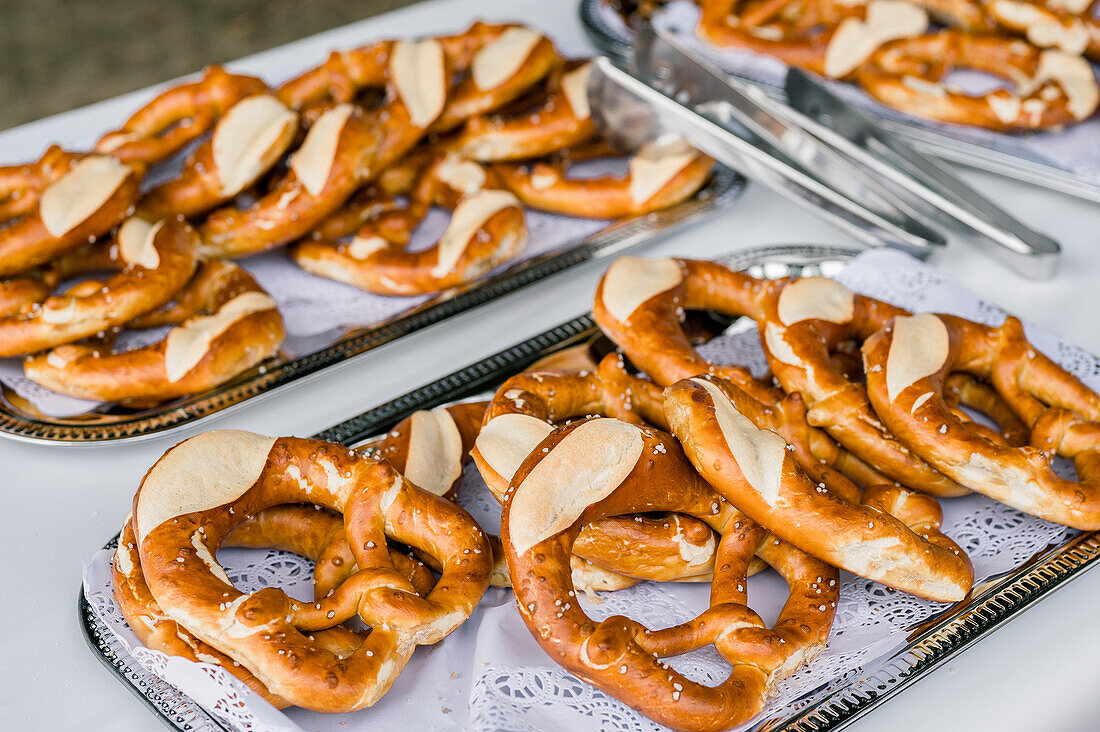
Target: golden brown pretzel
x=521, y=415
x=152, y=263
x=22, y=184
x=660, y=175
x=318, y=534
x=21, y=293
x=158, y=631
x=562, y=120
x=345, y=73
x=203, y=488
x=639, y=304
x=829, y=37
x=178, y=115
x=247, y=140
x=242, y=329
x=84, y=198
x=501, y=70
x=487, y=229
x=801, y=323
x=430, y=446
x=333, y=161
x=1068, y=26
x=216, y=281
x=1053, y=88
x=601, y=468
x=906, y=364
x=751, y=467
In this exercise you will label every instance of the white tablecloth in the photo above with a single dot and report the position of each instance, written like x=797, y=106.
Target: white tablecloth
x=61, y=504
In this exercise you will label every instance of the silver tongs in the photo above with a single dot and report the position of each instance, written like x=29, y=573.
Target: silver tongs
x=828, y=157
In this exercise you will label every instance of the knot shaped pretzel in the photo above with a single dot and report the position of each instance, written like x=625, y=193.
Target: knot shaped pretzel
x=202, y=489
x=486, y=229
x=829, y=37
x=64, y=200
x=429, y=447
x=906, y=364
x=177, y=116
x=247, y=141
x=336, y=157
x=520, y=417
x=152, y=262
x=234, y=326
x=305, y=530
x=1052, y=88
x=563, y=120
x=660, y=175
x=600, y=468
x=753, y=469
x=640, y=305
x=802, y=322
x=1070, y=27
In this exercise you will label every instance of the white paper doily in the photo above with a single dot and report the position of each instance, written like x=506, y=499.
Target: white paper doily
x=491, y=675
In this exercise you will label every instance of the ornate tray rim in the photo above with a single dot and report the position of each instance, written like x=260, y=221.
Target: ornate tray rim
x=269, y=378
x=935, y=642
x=618, y=47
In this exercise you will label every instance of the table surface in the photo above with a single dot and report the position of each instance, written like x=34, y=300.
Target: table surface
x=62, y=503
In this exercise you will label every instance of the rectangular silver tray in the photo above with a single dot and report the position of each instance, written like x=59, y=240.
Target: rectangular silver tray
x=115, y=423
x=617, y=43
x=930, y=643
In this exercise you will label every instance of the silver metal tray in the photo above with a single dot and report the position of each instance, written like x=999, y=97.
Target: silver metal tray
x=115, y=423
x=616, y=40
x=930, y=643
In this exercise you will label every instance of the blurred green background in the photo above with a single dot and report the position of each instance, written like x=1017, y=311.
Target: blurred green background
x=61, y=54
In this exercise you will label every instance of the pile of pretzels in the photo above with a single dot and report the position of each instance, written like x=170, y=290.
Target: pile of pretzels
x=902, y=52
x=650, y=464
x=339, y=164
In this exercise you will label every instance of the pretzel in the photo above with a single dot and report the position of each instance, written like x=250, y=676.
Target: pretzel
x=906, y=365
x=660, y=175
x=828, y=37
x=177, y=116
x=296, y=528
x=22, y=184
x=601, y=468
x=334, y=160
x=519, y=418
x=500, y=71
x=22, y=293
x=1068, y=26
x=752, y=469
x=563, y=120
x=487, y=228
x=204, y=487
x=156, y=630
x=503, y=61
x=247, y=141
x=242, y=329
x=430, y=447
x=216, y=281
x=152, y=262
x=83, y=197
x=639, y=304
x=801, y=323
x=345, y=74
x=318, y=534
x=1053, y=88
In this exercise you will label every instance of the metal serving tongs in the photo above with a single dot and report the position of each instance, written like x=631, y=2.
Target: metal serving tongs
x=813, y=164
